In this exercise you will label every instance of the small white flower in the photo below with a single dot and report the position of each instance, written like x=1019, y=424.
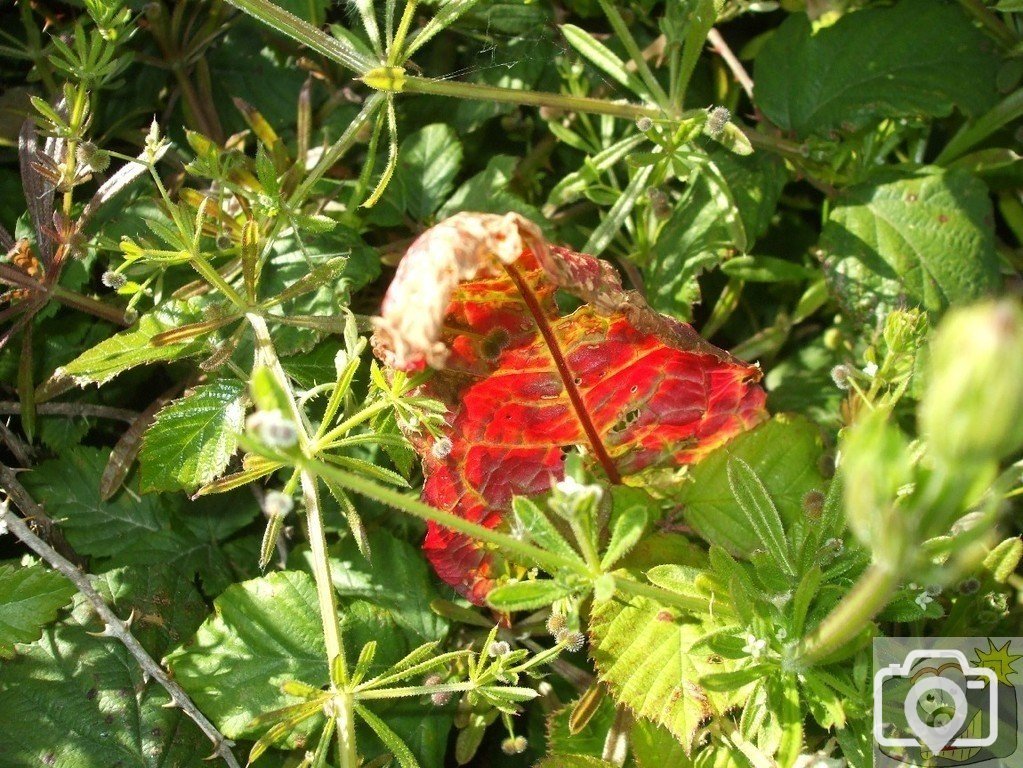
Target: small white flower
x=924, y=599
x=572, y=487
x=754, y=646
x=870, y=369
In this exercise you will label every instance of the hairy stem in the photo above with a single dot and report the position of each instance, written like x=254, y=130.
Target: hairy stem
x=325, y=594
x=852, y=614
x=116, y=628
x=460, y=90
x=549, y=561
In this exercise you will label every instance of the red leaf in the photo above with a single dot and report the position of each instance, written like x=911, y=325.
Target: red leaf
x=474, y=298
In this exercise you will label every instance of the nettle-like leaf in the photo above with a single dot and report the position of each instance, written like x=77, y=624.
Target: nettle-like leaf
x=925, y=236
x=475, y=299
x=29, y=599
x=642, y=651
x=918, y=57
x=193, y=438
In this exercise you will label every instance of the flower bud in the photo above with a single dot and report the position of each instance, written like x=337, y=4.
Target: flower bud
x=970, y=412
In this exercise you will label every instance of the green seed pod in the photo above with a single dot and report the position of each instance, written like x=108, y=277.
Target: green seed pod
x=971, y=410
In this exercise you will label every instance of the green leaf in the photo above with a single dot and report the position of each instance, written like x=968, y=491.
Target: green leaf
x=193, y=438
x=133, y=530
x=428, y=162
x=541, y=529
x=30, y=597
x=560, y=760
x=626, y=530
x=917, y=57
x=925, y=236
x=131, y=348
x=641, y=651
x=783, y=452
x=760, y=511
x=391, y=740
x=526, y=595
x=77, y=701
x=263, y=632
x=718, y=216
x=396, y=581
x=603, y=58
x=488, y=192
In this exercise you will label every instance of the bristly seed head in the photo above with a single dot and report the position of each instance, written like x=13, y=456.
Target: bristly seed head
x=644, y=124
x=273, y=429
x=277, y=504
x=840, y=375
x=718, y=119
x=499, y=648
x=514, y=745
x=556, y=623
x=114, y=280
x=813, y=503
x=441, y=449
x=573, y=641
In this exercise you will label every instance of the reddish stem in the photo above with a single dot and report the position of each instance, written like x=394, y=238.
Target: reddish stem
x=566, y=374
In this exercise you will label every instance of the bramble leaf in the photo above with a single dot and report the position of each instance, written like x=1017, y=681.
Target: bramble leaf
x=642, y=651
x=77, y=701
x=474, y=298
x=193, y=438
x=925, y=236
x=30, y=597
x=917, y=57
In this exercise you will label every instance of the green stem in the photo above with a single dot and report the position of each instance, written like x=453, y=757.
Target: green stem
x=90, y=305
x=351, y=422
x=214, y=278
x=325, y=594
x=549, y=561
x=459, y=90
x=345, y=710
x=853, y=613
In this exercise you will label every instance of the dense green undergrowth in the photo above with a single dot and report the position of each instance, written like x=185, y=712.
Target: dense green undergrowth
x=202, y=206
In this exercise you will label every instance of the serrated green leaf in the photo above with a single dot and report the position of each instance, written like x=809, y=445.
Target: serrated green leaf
x=560, y=760
x=917, y=57
x=784, y=453
x=76, y=701
x=391, y=740
x=133, y=530
x=193, y=438
x=641, y=650
x=263, y=632
x=132, y=348
x=924, y=236
x=30, y=597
